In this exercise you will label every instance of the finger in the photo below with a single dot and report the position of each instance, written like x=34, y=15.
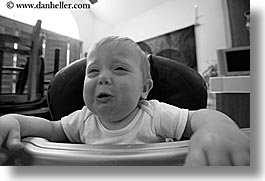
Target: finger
x=13, y=141
x=218, y=157
x=241, y=155
x=196, y=157
x=242, y=159
x=3, y=158
x=1, y=141
x=4, y=155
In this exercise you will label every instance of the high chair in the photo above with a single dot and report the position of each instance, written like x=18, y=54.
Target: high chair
x=174, y=83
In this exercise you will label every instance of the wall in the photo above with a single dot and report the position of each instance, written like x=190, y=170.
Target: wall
x=173, y=15
x=211, y=33
x=164, y=18
x=90, y=28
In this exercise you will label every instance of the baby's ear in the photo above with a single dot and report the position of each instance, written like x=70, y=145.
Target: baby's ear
x=148, y=85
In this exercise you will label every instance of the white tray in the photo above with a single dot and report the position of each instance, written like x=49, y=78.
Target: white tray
x=44, y=152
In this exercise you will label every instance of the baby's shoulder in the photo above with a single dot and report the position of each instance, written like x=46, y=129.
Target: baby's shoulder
x=156, y=107
x=85, y=113
x=150, y=106
x=80, y=114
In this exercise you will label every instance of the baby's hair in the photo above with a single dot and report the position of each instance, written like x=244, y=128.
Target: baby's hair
x=144, y=64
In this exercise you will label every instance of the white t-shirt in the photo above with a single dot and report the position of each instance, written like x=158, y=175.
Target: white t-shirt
x=154, y=122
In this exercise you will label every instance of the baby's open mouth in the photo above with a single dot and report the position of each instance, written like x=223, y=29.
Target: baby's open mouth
x=103, y=95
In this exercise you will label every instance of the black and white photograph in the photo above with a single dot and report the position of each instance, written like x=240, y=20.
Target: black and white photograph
x=103, y=85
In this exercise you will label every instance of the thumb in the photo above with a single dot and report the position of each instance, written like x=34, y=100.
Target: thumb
x=13, y=141
x=195, y=157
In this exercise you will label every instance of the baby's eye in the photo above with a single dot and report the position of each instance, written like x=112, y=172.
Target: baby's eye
x=92, y=71
x=121, y=68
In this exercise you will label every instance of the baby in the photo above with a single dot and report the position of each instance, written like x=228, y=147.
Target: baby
x=116, y=86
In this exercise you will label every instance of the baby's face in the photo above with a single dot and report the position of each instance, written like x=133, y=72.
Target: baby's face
x=113, y=83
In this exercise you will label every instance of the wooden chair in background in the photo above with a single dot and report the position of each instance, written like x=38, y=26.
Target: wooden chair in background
x=27, y=79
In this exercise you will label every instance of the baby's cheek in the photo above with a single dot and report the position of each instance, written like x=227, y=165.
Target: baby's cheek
x=88, y=93
x=131, y=93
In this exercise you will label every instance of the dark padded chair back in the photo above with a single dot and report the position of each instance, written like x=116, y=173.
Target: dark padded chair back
x=177, y=84
x=174, y=83
x=65, y=92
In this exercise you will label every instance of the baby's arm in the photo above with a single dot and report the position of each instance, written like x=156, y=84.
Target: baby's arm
x=215, y=140
x=15, y=126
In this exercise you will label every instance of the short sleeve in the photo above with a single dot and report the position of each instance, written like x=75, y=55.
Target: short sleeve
x=170, y=121
x=72, y=123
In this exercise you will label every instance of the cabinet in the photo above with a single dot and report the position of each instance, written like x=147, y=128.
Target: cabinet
x=237, y=19
x=233, y=97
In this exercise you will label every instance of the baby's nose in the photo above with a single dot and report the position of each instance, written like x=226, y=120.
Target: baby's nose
x=104, y=80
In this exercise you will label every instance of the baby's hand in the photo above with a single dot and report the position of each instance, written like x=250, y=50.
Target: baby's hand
x=9, y=135
x=218, y=145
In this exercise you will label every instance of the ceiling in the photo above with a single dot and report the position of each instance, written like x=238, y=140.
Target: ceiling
x=115, y=12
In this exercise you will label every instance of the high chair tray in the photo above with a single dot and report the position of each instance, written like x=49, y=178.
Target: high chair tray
x=44, y=152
